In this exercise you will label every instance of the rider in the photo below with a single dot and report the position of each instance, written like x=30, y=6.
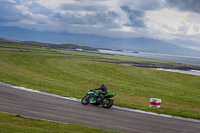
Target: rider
x=104, y=90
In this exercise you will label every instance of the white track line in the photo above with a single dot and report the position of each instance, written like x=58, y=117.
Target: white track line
x=78, y=100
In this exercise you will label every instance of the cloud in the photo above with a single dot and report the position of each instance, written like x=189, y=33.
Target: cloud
x=98, y=19
x=170, y=24
x=36, y=8
x=80, y=7
x=143, y=5
x=8, y=12
x=135, y=17
x=104, y=20
x=186, y=5
x=11, y=1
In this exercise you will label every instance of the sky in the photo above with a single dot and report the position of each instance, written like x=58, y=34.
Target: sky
x=174, y=21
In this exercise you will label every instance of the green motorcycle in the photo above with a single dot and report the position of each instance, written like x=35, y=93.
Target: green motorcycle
x=93, y=98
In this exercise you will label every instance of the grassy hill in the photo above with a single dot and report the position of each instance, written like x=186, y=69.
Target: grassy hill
x=72, y=73
x=51, y=45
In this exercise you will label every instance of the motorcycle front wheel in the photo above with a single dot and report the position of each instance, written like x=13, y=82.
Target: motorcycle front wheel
x=108, y=103
x=85, y=100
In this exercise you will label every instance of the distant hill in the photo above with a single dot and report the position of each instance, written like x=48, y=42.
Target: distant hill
x=94, y=43
x=138, y=45
x=157, y=46
x=34, y=43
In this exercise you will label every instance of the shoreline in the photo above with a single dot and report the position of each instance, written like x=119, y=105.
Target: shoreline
x=161, y=57
x=191, y=72
x=179, y=69
x=173, y=66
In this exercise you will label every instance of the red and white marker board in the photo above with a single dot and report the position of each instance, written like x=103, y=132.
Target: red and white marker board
x=155, y=103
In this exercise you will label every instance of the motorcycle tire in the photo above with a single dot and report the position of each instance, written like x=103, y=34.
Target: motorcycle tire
x=85, y=100
x=107, y=104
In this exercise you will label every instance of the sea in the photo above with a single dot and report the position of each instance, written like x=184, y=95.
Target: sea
x=162, y=57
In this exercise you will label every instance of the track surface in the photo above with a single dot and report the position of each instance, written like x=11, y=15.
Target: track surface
x=57, y=109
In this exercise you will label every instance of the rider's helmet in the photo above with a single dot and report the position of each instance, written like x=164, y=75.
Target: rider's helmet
x=102, y=86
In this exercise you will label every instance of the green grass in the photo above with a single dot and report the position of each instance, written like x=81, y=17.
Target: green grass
x=71, y=73
x=18, y=124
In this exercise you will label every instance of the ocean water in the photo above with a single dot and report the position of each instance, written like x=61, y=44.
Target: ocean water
x=171, y=58
x=177, y=59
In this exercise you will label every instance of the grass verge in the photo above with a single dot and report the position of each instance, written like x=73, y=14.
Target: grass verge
x=19, y=124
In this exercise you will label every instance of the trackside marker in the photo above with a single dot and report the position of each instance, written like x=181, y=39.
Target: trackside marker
x=155, y=103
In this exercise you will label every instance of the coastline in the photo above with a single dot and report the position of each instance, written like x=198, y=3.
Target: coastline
x=161, y=57
x=192, y=70
x=171, y=66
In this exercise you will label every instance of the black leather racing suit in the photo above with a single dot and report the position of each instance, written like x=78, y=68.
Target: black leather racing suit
x=104, y=90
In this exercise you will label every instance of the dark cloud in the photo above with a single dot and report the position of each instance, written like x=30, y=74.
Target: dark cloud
x=149, y=4
x=135, y=17
x=36, y=8
x=112, y=14
x=144, y=5
x=68, y=19
x=185, y=5
x=80, y=7
x=39, y=14
x=105, y=19
x=101, y=16
x=8, y=12
x=57, y=16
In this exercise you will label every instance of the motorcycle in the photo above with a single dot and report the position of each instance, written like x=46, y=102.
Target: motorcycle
x=93, y=98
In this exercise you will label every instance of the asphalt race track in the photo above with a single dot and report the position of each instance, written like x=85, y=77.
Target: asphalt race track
x=58, y=109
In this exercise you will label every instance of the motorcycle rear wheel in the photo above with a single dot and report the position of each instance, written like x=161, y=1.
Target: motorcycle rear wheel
x=107, y=104
x=85, y=100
